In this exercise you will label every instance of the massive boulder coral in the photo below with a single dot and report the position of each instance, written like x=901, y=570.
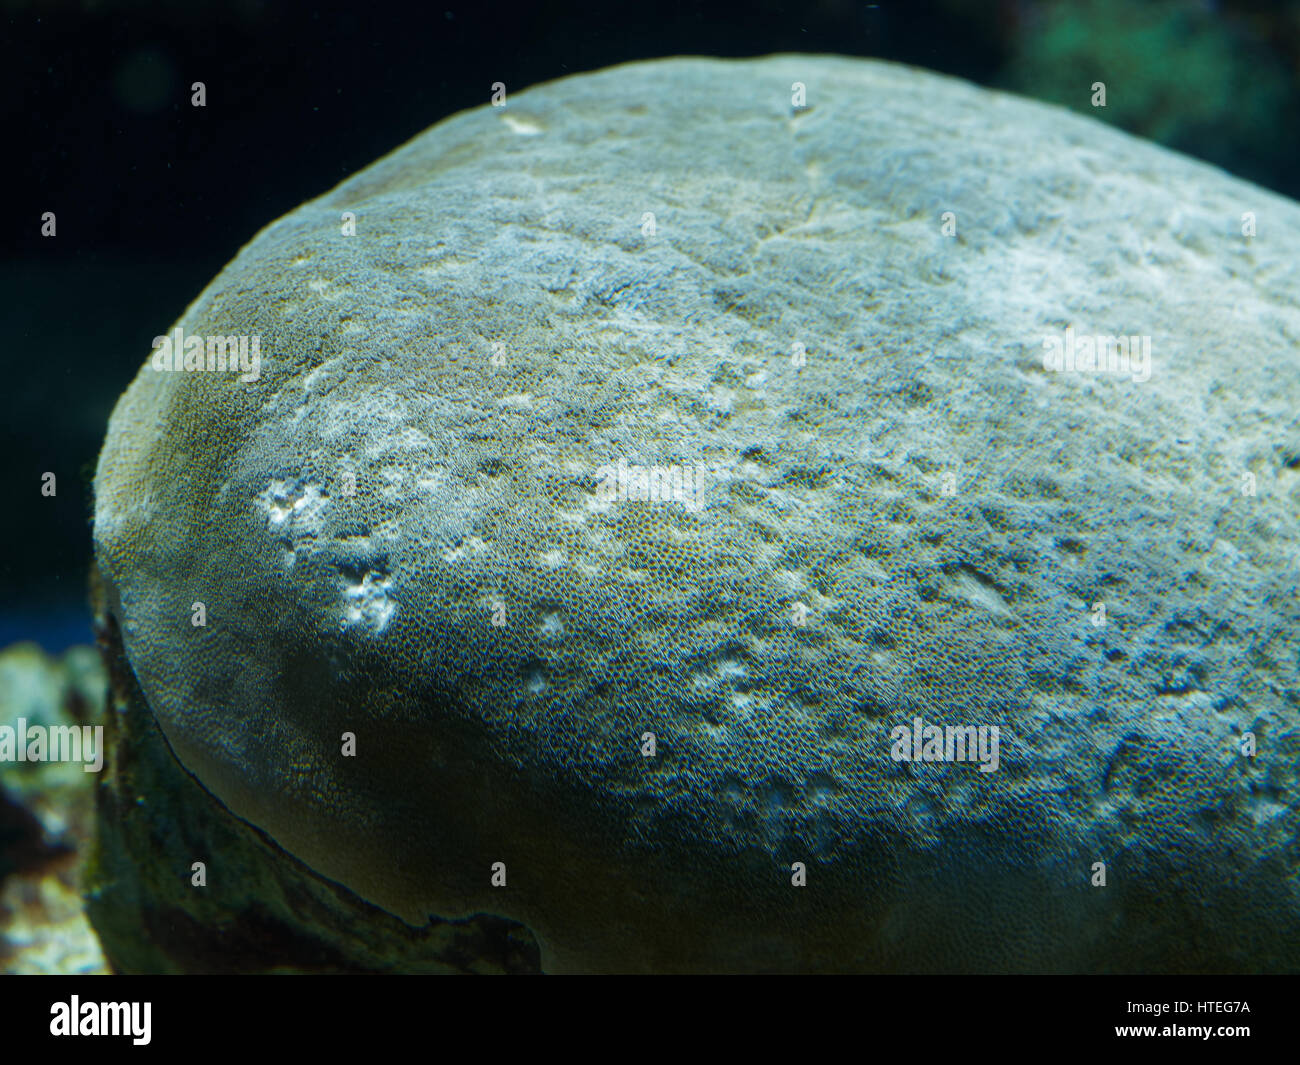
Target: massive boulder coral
x=633, y=471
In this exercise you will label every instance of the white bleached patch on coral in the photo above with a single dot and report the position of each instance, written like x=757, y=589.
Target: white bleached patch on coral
x=284, y=502
x=376, y=415
x=522, y=126
x=727, y=669
x=730, y=667
x=370, y=603
x=312, y=379
x=394, y=486
x=412, y=438
x=721, y=400
x=430, y=479
x=327, y=291
x=571, y=517
x=789, y=581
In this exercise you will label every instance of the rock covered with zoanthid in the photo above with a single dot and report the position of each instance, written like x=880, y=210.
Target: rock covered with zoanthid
x=632, y=474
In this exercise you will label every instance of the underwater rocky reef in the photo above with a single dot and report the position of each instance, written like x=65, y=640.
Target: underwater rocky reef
x=47, y=808
x=797, y=514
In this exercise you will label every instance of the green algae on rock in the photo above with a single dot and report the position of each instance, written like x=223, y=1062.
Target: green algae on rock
x=436, y=662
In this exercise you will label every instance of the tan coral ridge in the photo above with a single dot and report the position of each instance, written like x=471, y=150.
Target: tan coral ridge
x=398, y=531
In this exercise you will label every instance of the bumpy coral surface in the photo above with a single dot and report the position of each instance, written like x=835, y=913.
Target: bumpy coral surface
x=800, y=307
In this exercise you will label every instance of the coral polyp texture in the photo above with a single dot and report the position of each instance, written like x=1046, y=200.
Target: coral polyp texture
x=638, y=473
